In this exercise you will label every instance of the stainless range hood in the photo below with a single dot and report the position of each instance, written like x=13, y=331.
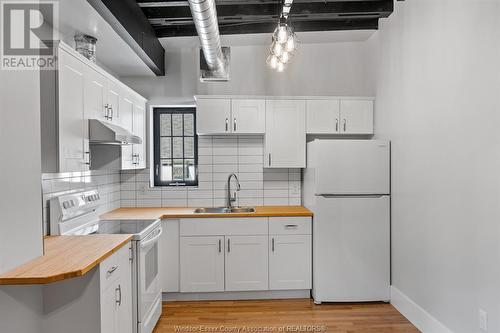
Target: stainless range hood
x=104, y=133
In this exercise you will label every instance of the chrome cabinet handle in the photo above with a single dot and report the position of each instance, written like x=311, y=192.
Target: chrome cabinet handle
x=112, y=113
x=228, y=245
x=336, y=124
x=234, y=126
x=220, y=246
x=88, y=159
x=112, y=269
x=135, y=159
x=272, y=244
x=291, y=226
x=269, y=159
x=106, y=113
x=119, y=291
x=157, y=170
x=345, y=125
x=227, y=124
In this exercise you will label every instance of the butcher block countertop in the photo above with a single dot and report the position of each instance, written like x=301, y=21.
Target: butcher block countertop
x=182, y=212
x=65, y=257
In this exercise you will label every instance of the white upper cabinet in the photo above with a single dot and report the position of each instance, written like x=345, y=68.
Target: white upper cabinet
x=356, y=117
x=73, y=129
x=139, y=129
x=248, y=116
x=323, y=116
x=230, y=116
x=345, y=116
x=113, y=102
x=96, y=95
x=213, y=116
x=285, y=139
x=78, y=91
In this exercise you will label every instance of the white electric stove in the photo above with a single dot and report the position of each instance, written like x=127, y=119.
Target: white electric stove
x=76, y=214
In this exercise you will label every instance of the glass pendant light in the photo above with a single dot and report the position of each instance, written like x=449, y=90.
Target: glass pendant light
x=277, y=49
x=285, y=57
x=280, y=67
x=290, y=43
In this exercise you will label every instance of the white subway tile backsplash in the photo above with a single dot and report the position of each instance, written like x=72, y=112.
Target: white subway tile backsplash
x=107, y=182
x=225, y=159
x=219, y=156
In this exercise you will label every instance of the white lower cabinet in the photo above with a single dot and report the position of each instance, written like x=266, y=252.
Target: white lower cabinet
x=290, y=262
x=116, y=293
x=246, y=263
x=168, y=247
x=244, y=254
x=202, y=264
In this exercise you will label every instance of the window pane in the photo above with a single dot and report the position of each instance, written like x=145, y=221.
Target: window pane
x=189, y=124
x=165, y=125
x=165, y=147
x=166, y=171
x=189, y=170
x=178, y=174
x=178, y=150
x=189, y=147
x=177, y=124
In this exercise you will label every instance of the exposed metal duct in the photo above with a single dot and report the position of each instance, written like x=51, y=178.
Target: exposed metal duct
x=214, y=57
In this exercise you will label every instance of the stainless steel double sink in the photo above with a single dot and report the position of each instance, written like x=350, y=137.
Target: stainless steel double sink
x=224, y=210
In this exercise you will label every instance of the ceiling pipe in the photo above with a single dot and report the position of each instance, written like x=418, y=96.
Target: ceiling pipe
x=205, y=19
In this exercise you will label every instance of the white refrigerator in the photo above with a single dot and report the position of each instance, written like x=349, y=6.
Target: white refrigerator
x=347, y=187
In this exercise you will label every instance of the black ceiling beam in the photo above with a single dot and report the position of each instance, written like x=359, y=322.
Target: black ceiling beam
x=341, y=8
x=129, y=21
x=266, y=27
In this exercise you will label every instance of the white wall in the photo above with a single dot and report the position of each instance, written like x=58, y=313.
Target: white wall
x=317, y=69
x=438, y=100
x=20, y=168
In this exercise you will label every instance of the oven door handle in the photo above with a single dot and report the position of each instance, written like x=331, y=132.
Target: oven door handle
x=152, y=240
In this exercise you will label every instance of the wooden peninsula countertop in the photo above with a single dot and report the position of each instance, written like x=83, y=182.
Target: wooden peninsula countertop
x=65, y=257
x=143, y=213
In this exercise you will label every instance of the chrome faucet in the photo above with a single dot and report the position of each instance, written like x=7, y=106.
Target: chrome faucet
x=232, y=198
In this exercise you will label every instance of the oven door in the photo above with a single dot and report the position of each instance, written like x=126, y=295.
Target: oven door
x=148, y=281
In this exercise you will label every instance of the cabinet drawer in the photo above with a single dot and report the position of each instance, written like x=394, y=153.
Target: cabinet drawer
x=110, y=268
x=224, y=226
x=290, y=225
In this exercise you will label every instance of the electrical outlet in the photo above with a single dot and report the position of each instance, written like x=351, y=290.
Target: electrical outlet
x=142, y=188
x=483, y=320
x=295, y=189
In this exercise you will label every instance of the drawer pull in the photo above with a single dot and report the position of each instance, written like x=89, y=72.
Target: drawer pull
x=112, y=269
x=291, y=226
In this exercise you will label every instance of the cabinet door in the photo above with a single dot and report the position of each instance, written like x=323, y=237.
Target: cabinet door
x=95, y=95
x=113, y=101
x=109, y=309
x=356, y=117
x=126, y=121
x=72, y=126
x=323, y=116
x=213, y=116
x=290, y=262
x=169, y=256
x=202, y=264
x=285, y=139
x=139, y=129
x=124, y=285
x=248, y=116
x=246, y=263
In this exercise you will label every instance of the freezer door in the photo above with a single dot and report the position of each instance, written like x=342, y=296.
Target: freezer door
x=351, y=249
x=352, y=167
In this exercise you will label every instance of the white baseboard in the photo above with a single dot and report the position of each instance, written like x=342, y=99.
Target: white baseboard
x=422, y=320
x=237, y=295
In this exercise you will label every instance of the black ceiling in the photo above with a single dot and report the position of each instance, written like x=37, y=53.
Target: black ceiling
x=172, y=18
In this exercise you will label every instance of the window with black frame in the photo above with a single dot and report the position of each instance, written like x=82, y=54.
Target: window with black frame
x=175, y=147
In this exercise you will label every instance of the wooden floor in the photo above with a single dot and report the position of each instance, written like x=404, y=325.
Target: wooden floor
x=281, y=316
